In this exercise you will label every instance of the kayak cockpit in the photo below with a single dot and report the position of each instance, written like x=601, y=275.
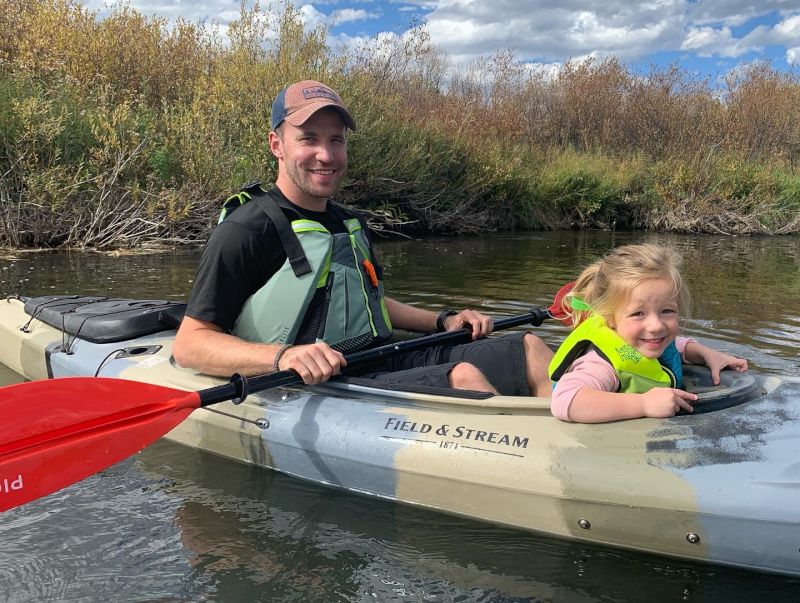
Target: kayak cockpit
x=734, y=388
x=372, y=389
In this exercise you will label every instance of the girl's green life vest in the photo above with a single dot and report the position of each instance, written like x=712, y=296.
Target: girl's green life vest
x=339, y=300
x=637, y=374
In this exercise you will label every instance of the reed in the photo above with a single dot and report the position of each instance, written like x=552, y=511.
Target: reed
x=129, y=130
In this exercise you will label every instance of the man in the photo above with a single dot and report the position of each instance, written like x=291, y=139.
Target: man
x=290, y=272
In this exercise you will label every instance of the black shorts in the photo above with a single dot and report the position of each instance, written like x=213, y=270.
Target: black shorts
x=500, y=359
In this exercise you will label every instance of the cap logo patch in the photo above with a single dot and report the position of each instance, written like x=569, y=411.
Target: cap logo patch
x=319, y=92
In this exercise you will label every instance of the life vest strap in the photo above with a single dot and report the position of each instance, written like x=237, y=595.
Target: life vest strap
x=291, y=244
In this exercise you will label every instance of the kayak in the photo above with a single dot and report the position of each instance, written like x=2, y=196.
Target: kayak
x=721, y=485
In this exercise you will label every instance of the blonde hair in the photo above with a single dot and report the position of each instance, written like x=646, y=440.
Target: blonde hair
x=606, y=284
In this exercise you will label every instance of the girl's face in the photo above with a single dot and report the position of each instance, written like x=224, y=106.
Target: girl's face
x=648, y=320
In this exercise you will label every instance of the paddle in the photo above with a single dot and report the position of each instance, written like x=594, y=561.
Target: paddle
x=57, y=432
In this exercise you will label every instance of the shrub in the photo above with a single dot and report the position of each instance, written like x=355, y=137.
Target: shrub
x=126, y=129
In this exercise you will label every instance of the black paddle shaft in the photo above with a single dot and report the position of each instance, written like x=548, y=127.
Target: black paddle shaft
x=240, y=386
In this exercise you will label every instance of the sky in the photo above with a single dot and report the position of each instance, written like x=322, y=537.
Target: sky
x=705, y=36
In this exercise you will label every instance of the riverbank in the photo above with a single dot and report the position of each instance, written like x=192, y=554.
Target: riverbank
x=124, y=131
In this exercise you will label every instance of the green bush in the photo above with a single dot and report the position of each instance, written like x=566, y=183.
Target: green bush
x=127, y=129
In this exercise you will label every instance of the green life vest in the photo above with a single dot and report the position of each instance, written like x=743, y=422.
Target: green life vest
x=637, y=374
x=326, y=290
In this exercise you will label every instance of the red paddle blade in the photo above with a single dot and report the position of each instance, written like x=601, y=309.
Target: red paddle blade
x=57, y=432
x=556, y=309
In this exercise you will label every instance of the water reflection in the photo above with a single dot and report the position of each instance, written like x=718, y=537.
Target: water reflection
x=108, y=538
x=162, y=275
x=180, y=525
x=250, y=532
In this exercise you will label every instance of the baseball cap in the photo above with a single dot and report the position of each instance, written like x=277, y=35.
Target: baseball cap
x=299, y=101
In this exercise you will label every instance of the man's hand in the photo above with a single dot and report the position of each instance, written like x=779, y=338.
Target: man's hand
x=315, y=362
x=481, y=324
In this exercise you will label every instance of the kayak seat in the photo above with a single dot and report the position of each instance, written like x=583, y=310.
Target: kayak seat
x=104, y=319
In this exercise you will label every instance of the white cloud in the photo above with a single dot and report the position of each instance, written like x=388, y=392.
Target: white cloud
x=591, y=32
x=735, y=12
x=540, y=31
x=227, y=16
x=544, y=30
x=793, y=56
x=555, y=32
x=219, y=11
x=350, y=14
x=787, y=30
x=707, y=42
x=544, y=71
x=312, y=17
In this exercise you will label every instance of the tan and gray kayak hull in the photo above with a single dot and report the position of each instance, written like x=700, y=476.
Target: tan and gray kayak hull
x=720, y=487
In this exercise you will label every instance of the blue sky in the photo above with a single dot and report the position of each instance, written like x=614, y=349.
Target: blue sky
x=706, y=36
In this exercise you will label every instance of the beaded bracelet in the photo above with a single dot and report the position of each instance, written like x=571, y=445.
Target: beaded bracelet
x=278, y=355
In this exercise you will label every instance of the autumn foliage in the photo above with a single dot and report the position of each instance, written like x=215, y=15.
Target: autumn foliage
x=130, y=129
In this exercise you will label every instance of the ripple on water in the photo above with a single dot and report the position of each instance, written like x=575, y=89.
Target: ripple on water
x=178, y=525
x=75, y=544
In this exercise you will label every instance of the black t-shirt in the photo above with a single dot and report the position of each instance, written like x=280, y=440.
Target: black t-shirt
x=242, y=254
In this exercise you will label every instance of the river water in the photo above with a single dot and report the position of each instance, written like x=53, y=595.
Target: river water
x=175, y=524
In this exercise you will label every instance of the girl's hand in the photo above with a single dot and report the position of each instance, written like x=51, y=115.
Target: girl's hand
x=663, y=402
x=716, y=361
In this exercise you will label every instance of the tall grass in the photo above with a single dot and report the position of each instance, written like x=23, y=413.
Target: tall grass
x=128, y=129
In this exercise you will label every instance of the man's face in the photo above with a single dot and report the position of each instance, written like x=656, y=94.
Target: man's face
x=312, y=158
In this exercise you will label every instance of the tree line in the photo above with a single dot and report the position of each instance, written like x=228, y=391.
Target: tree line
x=128, y=130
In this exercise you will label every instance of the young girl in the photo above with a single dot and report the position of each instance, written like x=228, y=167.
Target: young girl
x=623, y=359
